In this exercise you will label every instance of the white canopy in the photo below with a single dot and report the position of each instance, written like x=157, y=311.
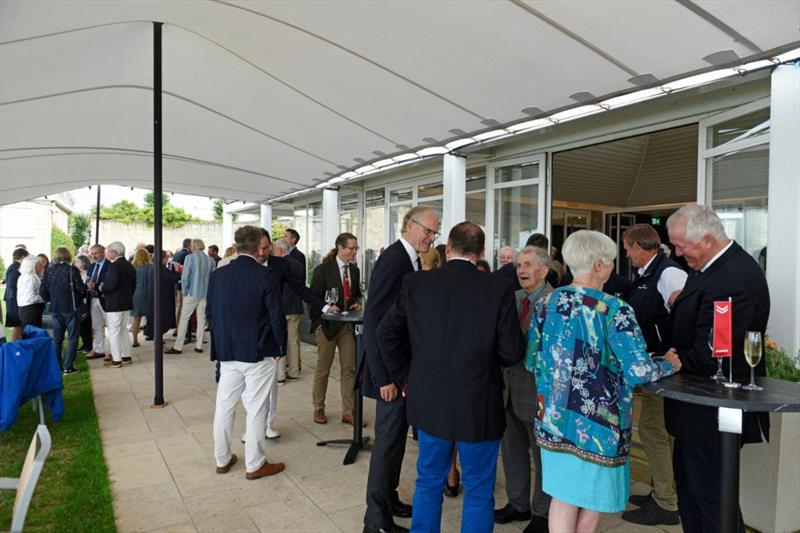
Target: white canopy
x=262, y=98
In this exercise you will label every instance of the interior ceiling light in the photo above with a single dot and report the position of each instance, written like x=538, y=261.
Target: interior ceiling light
x=337, y=179
x=382, y=163
x=458, y=143
x=349, y=175
x=631, y=98
x=405, y=157
x=365, y=169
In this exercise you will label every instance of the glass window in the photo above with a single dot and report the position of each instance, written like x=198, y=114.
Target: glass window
x=315, y=253
x=476, y=183
x=741, y=128
x=401, y=195
x=396, y=214
x=348, y=213
x=516, y=215
x=525, y=171
x=476, y=208
x=374, y=230
x=430, y=189
x=739, y=186
x=300, y=223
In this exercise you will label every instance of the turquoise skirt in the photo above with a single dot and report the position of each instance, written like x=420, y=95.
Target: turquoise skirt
x=583, y=484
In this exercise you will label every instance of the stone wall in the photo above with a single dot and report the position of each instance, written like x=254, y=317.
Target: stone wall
x=130, y=234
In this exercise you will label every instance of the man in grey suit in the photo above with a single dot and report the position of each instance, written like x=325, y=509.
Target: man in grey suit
x=519, y=398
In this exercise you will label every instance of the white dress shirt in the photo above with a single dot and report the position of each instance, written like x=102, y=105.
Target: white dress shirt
x=711, y=261
x=28, y=289
x=412, y=253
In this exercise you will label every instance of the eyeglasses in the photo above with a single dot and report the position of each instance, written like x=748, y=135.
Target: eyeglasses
x=356, y=248
x=428, y=231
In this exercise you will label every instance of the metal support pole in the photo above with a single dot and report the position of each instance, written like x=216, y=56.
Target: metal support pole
x=729, y=482
x=97, y=219
x=158, y=190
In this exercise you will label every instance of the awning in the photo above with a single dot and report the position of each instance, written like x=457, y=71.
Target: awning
x=263, y=98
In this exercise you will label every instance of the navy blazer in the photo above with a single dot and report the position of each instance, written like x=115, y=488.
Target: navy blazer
x=289, y=277
x=384, y=287
x=459, y=341
x=55, y=288
x=116, y=291
x=243, y=308
x=300, y=257
x=101, y=276
x=12, y=276
x=292, y=303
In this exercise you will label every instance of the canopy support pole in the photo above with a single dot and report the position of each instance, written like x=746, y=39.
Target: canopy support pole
x=158, y=340
x=97, y=219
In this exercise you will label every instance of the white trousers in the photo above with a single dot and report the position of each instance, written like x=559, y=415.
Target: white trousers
x=98, y=326
x=272, y=409
x=256, y=379
x=118, y=336
x=190, y=304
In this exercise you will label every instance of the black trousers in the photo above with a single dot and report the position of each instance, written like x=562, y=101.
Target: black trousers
x=386, y=461
x=697, y=482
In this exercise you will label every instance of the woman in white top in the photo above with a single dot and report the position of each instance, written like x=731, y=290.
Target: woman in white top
x=29, y=302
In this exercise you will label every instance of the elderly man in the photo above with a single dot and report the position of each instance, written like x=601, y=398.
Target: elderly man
x=721, y=270
x=453, y=372
x=197, y=269
x=247, y=331
x=116, y=297
x=506, y=255
x=420, y=229
x=95, y=277
x=658, y=282
x=519, y=397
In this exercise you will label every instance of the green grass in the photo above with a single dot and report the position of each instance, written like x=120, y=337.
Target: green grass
x=73, y=493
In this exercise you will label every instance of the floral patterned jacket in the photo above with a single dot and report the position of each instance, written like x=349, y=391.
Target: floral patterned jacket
x=588, y=354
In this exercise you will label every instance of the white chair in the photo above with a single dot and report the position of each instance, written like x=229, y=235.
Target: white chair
x=26, y=482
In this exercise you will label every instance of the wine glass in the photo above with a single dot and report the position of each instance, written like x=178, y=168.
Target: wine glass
x=720, y=375
x=752, y=354
x=331, y=296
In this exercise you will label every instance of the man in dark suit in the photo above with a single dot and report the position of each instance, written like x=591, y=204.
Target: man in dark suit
x=337, y=271
x=247, y=332
x=292, y=237
x=96, y=275
x=519, y=398
x=462, y=327
x=11, y=278
x=420, y=229
x=116, y=297
x=721, y=269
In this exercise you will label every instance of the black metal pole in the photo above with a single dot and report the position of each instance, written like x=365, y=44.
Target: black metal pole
x=729, y=482
x=158, y=340
x=97, y=219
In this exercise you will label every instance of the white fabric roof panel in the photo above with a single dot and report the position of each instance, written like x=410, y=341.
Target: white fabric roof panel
x=262, y=98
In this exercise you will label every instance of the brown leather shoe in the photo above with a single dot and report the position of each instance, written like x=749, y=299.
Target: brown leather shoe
x=108, y=358
x=94, y=355
x=319, y=416
x=348, y=419
x=267, y=469
x=225, y=469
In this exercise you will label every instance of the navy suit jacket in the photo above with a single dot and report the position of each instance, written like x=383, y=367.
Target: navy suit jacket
x=244, y=312
x=384, y=287
x=101, y=276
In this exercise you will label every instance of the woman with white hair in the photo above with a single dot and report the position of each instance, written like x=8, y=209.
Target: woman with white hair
x=588, y=354
x=29, y=303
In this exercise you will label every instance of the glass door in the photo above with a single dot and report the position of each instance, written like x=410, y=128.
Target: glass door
x=515, y=203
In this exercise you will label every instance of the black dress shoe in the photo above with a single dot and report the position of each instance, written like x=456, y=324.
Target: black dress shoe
x=652, y=515
x=509, y=514
x=641, y=500
x=401, y=510
x=394, y=529
x=538, y=524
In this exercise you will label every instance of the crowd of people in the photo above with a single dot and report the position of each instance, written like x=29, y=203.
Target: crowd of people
x=539, y=359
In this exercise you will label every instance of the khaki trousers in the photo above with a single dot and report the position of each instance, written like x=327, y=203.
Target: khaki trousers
x=346, y=343
x=657, y=444
x=293, y=347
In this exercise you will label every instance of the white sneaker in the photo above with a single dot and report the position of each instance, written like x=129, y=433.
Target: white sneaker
x=273, y=433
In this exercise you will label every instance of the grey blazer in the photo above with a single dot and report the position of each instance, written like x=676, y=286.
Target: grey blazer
x=520, y=386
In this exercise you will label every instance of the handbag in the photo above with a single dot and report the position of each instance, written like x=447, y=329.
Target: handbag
x=81, y=311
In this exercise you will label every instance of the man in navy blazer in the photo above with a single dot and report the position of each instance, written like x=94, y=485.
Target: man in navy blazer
x=420, y=229
x=95, y=276
x=247, y=332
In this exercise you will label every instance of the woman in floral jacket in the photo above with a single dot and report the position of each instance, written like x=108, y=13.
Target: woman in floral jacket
x=588, y=354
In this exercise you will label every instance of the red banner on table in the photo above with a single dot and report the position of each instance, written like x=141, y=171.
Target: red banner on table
x=723, y=334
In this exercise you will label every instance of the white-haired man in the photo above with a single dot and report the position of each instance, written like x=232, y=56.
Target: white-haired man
x=721, y=270
x=519, y=399
x=116, y=297
x=506, y=255
x=197, y=269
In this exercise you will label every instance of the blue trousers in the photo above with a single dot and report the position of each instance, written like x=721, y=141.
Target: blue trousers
x=66, y=323
x=479, y=470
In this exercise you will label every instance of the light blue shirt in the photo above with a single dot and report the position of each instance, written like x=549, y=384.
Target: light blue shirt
x=197, y=269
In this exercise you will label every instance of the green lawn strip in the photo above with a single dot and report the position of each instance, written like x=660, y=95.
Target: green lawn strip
x=73, y=492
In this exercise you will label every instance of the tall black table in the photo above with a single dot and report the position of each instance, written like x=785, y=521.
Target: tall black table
x=778, y=396
x=358, y=442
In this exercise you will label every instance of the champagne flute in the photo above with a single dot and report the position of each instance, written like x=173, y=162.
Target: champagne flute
x=330, y=296
x=720, y=375
x=752, y=354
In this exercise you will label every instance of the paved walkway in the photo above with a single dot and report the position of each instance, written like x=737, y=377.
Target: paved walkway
x=161, y=464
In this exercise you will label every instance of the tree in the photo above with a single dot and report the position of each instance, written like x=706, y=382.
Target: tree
x=122, y=211
x=278, y=229
x=59, y=238
x=219, y=206
x=126, y=211
x=150, y=199
x=79, y=228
